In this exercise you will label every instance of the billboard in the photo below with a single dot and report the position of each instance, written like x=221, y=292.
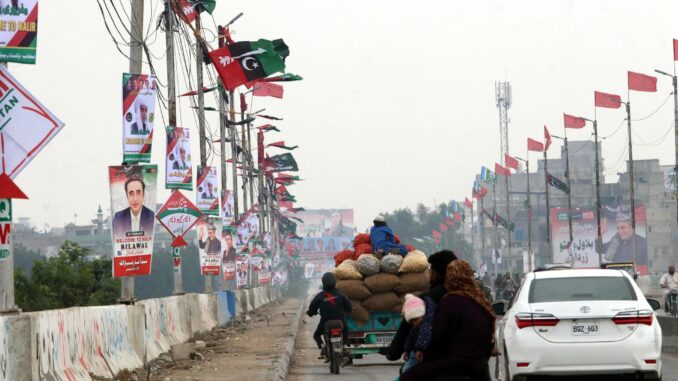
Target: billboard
x=133, y=190
x=18, y=31
x=138, y=116
x=178, y=165
x=209, y=245
x=617, y=237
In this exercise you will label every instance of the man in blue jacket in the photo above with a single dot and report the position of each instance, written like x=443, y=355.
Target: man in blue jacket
x=383, y=240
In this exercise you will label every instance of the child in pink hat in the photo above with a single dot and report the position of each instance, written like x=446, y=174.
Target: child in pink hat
x=419, y=313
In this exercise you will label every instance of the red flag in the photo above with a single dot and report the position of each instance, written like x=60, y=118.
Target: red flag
x=533, y=145
x=547, y=139
x=260, y=148
x=457, y=217
x=607, y=100
x=436, y=235
x=511, y=162
x=483, y=192
x=675, y=49
x=501, y=170
x=443, y=227
x=642, y=82
x=243, y=103
x=571, y=121
x=468, y=203
x=267, y=89
x=449, y=221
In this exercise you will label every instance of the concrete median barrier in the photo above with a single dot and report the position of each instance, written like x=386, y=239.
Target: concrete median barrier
x=15, y=349
x=203, y=312
x=223, y=311
x=167, y=323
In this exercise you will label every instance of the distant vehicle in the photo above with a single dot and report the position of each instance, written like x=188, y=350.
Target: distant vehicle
x=579, y=322
x=373, y=336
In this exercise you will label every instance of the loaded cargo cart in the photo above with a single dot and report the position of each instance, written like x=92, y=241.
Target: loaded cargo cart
x=374, y=335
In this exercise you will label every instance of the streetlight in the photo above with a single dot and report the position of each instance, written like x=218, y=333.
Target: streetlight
x=569, y=184
x=529, y=214
x=675, y=129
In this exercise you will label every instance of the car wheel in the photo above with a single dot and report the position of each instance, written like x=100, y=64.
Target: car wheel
x=507, y=376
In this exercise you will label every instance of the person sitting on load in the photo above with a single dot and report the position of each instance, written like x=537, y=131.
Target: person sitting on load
x=383, y=240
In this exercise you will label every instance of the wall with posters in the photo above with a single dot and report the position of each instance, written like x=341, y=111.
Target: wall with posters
x=617, y=237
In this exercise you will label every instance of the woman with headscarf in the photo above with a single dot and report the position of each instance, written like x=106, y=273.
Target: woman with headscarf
x=462, y=331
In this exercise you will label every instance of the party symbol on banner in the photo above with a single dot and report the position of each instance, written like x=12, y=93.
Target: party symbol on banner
x=178, y=215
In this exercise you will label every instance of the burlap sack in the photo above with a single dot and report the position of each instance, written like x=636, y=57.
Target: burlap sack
x=413, y=282
x=391, y=263
x=368, y=264
x=381, y=302
x=359, y=313
x=414, y=262
x=353, y=289
x=347, y=270
x=381, y=282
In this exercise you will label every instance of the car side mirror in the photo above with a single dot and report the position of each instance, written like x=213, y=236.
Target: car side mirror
x=654, y=304
x=499, y=308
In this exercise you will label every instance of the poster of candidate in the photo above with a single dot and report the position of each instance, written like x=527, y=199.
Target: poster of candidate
x=228, y=253
x=248, y=229
x=133, y=190
x=138, y=115
x=241, y=270
x=178, y=165
x=617, y=237
x=207, y=191
x=209, y=245
x=227, y=207
x=18, y=31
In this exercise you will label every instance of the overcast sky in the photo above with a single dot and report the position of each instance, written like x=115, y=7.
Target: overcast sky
x=397, y=104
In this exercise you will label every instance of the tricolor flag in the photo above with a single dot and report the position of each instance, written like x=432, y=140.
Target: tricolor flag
x=436, y=236
x=487, y=175
x=247, y=61
x=457, y=217
x=557, y=183
x=504, y=222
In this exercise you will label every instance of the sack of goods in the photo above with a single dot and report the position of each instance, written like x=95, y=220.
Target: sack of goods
x=375, y=285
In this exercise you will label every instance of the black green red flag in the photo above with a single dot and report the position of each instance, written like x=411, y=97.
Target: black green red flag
x=503, y=222
x=557, y=183
x=268, y=127
x=246, y=61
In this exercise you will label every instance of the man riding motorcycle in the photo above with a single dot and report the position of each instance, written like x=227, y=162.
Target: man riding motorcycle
x=669, y=282
x=333, y=305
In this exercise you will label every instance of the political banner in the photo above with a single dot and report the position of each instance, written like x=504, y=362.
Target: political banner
x=5, y=228
x=247, y=230
x=227, y=207
x=617, y=237
x=207, y=191
x=209, y=245
x=26, y=126
x=133, y=190
x=228, y=252
x=18, y=31
x=279, y=278
x=241, y=265
x=178, y=215
x=178, y=165
x=138, y=116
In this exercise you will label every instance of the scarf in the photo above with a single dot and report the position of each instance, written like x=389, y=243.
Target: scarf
x=459, y=281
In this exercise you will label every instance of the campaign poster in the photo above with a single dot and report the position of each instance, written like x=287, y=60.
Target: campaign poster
x=248, y=229
x=18, y=31
x=138, y=116
x=209, y=245
x=133, y=191
x=178, y=215
x=227, y=207
x=279, y=278
x=242, y=268
x=228, y=253
x=207, y=191
x=617, y=237
x=178, y=165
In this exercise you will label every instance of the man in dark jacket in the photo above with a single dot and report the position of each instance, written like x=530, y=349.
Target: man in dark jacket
x=332, y=304
x=438, y=262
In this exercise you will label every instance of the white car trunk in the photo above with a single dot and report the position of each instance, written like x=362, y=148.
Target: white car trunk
x=585, y=321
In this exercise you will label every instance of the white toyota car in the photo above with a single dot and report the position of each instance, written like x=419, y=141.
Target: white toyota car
x=579, y=322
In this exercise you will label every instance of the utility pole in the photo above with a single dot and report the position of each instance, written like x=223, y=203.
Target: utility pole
x=508, y=217
x=529, y=213
x=674, y=80
x=251, y=165
x=136, y=48
x=245, y=165
x=599, y=236
x=569, y=185
x=481, y=227
x=222, y=121
x=548, y=208
x=494, y=222
x=232, y=133
x=172, y=111
x=631, y=183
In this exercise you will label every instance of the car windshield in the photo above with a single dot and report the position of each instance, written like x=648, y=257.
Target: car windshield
x=580, y=288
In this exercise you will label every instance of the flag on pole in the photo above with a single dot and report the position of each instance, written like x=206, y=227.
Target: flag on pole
x=547, y=139
x=501, y=170
x=504, y=222
x=269, y=117
x=468, y=203
x=675, y=49
x=436, y=236
x=268, y=127
x=571, y=121
x=487, y=175
x=443, y=227
x=607, y=100
x=457, y=217
x=488, y=215
x=205, y=90
x=281, y=144
x=243, y=103
x=246, y=61
x=642, y=82
x=266, y=89
x=449, y=221
x=533, y=145
x=557, y=183
x=511, y=161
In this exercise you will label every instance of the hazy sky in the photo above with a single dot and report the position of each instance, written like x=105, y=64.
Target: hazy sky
x=397, y=104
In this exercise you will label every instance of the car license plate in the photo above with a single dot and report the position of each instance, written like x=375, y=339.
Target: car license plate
x=384, y=339
x=585, y=328
x=335, y=339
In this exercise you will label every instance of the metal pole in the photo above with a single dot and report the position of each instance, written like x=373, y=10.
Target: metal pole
x=481, y=227
x=7, y=303
x=222, y=122
x=245, y=164
x=250, y=165
x=135, y=66
x=569, y=185
x=548, y=209
x=675, y=130
x=632, y=194
x=508, y=217
x=494, y=222
x=232, y=133
x=474, y=252
x=529, y=217
x=598, y=204
x=172, y=114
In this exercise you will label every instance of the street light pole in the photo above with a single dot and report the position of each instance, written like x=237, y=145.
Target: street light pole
x=529, y=213
x=569, y=184
x=599, y=235
x=674, y=79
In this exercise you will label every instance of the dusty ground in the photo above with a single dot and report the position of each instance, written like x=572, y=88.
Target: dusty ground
x=242, y=351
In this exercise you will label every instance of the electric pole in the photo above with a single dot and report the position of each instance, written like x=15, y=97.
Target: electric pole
x=232, y=133
x=529, y=213
x=548, y=208
x=136, y=48
x=569, y=186
x=674, y=80
x=631, y=183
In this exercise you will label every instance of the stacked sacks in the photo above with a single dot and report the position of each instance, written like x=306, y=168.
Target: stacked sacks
x=375, y=285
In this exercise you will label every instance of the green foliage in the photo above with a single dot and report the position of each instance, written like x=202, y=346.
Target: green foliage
x=66, y=280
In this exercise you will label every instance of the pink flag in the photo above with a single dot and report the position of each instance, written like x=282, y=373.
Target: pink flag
x=267, y=89
x=607, y=100
x=642, y=82
x=571, y=121
x=511, y=162
x=547, y=139
x=533, y=145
